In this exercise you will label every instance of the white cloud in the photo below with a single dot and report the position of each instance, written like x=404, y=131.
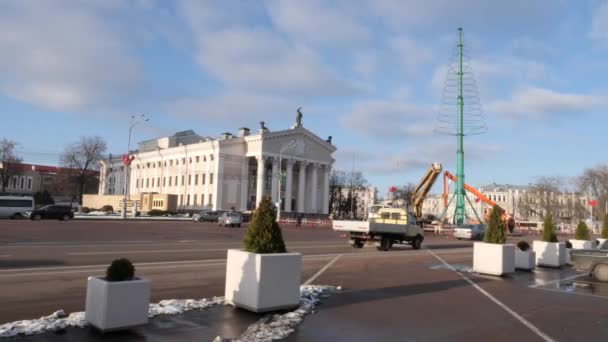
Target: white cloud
x=539, y=102
x=411, y=54
x=63, y=56
x=318, y=22
x=599, y=22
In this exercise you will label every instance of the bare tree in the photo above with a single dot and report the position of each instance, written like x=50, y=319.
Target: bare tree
x=405, y=193
x=542, y=198
x=594, y=181
x=82, y=158
x=337, y=181
x=9, y=162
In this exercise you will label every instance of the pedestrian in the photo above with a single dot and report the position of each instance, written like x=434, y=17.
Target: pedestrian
x=299, y=220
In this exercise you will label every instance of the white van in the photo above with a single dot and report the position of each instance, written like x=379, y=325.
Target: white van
x=15, y=207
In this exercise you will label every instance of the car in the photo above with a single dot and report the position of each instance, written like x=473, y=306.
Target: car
x=231, y=218
x=15, y=207
x=59, y=212
x=208, y=216
x=470, y=231
x=592, y=261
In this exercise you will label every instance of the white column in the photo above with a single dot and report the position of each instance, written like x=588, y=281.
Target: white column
x=314, y=207
x=301, y=187
x=259, y=193
x=288, y=184
x=274, y=179
x=218, y=183
x=327, y=173
x=244, y=182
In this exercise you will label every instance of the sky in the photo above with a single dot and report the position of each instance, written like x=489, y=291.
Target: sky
x=370, y=73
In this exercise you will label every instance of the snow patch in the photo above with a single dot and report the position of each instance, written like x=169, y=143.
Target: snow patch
x=279, y=326
x=459, y=268
x=58, y=320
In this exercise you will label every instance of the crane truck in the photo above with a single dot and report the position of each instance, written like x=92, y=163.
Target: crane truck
x=390, y=225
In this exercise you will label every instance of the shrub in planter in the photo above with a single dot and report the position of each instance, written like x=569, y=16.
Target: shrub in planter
x=492, y=256
x=157, y=212
x=86, y=210
x=549, y=252
x=263, y=277
x=604, y=231
x=568, y=244
x=119, y=300
x=525, y=259
x=582, y=237
x=107, y=209
x=523, y=246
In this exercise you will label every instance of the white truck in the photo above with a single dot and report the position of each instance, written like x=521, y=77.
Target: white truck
x=391, y=225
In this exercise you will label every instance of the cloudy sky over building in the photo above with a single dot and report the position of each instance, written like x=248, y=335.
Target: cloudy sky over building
x=369, y=73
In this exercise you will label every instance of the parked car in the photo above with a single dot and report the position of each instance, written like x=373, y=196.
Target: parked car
x=208, y=216
x=231, y=218
x=15, y=207
x=59, y=212
x=470, y=231
x=594, y=261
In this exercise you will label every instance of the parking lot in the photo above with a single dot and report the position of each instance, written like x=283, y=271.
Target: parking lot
x=428, y=294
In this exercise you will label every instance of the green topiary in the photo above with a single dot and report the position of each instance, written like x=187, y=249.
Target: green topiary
x=604, y=232
x=107, y=208
x=549, y=234
x=120, y=270
x=264, y=234
x=495, y=233
x=523, y=245
x=582, y=232
x=157, y=212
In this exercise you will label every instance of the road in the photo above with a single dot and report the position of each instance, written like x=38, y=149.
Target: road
x=44, y=265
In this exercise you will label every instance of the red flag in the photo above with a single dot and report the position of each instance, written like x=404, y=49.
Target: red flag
x=392, y=189
x=126, y=159
x=592, y=203
x=477, y=199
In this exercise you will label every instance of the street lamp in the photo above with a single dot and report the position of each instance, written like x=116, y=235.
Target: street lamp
x=290, y=145
x=135, y=120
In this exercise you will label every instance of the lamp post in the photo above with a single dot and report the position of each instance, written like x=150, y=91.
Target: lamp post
x=135, y=120
x=285, y=148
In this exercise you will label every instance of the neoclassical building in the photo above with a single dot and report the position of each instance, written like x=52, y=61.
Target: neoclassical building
x=230, y=171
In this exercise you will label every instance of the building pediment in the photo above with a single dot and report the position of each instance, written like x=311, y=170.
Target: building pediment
x=307, y=145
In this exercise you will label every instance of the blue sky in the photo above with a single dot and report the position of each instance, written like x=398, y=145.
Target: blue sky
x=368, y=72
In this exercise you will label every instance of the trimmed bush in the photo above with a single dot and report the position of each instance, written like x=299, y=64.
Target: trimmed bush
x=582, y=231
x=604, y=232
x=523, y=245
x=264, y=234
x=157, y=212
x=107, y=209
x=120, y=270
x=43, y=198
x=568, y=244
x=86, y=210
x=495, y=232
x=549, y=234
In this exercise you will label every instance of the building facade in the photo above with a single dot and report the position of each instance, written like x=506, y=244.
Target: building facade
x=229, y=172
x=31, y=179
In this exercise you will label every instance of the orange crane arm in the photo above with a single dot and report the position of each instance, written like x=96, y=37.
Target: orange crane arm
x=448, y=175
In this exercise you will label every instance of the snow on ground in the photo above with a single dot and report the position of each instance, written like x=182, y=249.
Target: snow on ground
x=59, y=320
x=279, y=326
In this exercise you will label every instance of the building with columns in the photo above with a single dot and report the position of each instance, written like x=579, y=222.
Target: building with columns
x=230, y=171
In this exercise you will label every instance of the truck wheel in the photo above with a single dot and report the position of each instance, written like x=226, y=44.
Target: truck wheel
x=417, y=242
x=358, y=244
x=600, y=272
x=385, y=244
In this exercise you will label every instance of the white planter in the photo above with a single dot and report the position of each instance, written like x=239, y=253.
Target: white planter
x=581, y=244
x=524, y=260
x=263, y=282
x=600, y=241
x=551, y=254
x=493, y=259
x=114, y=305
x=568, y=256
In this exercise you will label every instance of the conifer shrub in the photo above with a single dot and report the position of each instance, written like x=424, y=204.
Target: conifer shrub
x=495, y=232
x=264, y=234
x=549, y=234
x=120, y=270
x=582, y=231
x=523, y=246
x=604, y=232
x=107, y=208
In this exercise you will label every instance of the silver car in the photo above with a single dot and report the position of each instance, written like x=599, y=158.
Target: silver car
x=230, y=218
x=470, y=231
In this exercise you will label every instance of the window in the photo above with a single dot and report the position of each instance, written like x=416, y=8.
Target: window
x=194, y=200
x=210, y=199
x=171, y=162
x=203, y=180
x=188, y=200
x=197, y=160
x=170, y=180
x=152, y=182
x=148, y=165
x=29, y=183
x=189, y=179
x=22, y=183
x=211, y=157
x=211, y=178
x=183, y=180
x=181, y=199
x=158, y=181
x=164, y=181
x=396, y=216
x=147, y=182
x=196, y=180
x=202, y=199
x=204, y=158
x=175, y=180
x=137, y=183
x=190, y=160
x=183, y=161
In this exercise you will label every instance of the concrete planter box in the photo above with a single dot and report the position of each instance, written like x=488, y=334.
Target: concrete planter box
x=551, y=254
x=581, y=244
x=525, y=260
x=263, y=282
x=115, y=305
x=600, y=241
x=493, y=259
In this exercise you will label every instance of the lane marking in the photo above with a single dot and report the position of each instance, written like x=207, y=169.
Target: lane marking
x=524, y=321
x=558, y=280
x=142, y=242
x=316, y=275
x=5, y=255
x=184, y=250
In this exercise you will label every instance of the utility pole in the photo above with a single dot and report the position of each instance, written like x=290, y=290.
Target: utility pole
x=352, y=195
x=127, y=162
